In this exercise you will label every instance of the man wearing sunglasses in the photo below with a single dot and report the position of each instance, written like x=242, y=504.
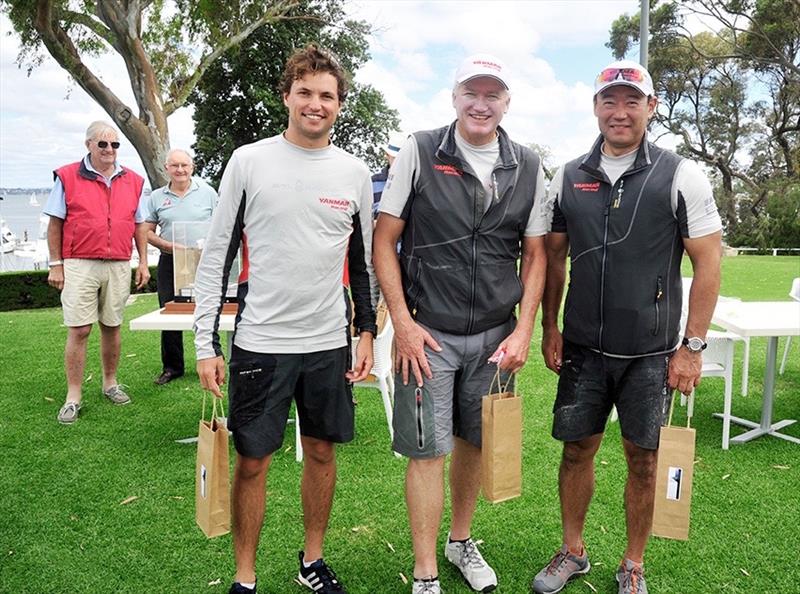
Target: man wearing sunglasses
x=625, y=212
x=463, y=199
x=96, y=210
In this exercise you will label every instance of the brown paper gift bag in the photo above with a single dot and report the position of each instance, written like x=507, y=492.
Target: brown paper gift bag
x=674, y=480
x=501, y=447
x=212, y=475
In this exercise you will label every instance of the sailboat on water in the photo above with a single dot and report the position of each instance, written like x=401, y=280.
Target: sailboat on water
x=34, y=201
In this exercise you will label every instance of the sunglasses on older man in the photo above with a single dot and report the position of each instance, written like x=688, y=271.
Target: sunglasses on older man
x=104, y=144
x=628, y=74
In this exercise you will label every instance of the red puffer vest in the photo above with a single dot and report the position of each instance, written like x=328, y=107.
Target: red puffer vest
x=100, y=220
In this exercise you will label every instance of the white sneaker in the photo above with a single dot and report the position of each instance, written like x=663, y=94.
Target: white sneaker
x=428, y=585
x=468, y=559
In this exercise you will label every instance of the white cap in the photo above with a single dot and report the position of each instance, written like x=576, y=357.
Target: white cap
x=625, y=72
x=396, y=141
x=482, y=65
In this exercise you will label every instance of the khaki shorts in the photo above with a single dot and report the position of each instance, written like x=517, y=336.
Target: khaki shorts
x=95, y=290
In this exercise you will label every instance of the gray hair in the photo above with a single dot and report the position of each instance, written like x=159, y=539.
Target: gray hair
x=179, y=150
x=99, y=128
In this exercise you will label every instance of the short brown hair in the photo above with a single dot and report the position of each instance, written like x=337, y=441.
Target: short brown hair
x=313, y=59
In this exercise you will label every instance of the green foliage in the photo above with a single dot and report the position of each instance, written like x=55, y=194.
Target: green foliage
x=29, y=290
x=239, y=101
x=732, y=97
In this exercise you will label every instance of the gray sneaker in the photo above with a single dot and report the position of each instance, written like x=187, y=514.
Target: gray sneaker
x=631, y=578
x=69, y=413
x=428, y=585
x=476, y=571
x=563, y=567
x=117, y=395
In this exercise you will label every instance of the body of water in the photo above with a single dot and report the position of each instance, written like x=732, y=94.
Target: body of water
x=23, y=219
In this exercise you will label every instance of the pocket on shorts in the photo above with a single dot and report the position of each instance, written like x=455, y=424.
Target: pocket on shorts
x=419, y=418
x=572, y=359
x=249, y=385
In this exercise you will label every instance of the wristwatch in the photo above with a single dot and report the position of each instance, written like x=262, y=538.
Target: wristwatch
x=694, y=344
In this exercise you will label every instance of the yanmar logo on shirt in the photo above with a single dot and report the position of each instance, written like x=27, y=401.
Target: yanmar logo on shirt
x=335, y=203
x=587, y=187
x=448, y=170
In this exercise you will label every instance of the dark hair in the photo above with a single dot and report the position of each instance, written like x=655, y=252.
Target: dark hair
x=315, y=60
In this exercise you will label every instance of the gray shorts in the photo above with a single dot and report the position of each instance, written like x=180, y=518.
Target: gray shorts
x=427, y=418
x=591, y=383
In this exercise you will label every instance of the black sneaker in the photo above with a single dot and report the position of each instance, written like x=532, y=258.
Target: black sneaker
x=237, y=588
x=319, y=577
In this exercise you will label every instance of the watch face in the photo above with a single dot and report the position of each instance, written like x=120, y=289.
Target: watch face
x=695, y=344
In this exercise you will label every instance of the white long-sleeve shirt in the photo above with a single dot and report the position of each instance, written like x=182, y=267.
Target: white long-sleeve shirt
x=296, y=213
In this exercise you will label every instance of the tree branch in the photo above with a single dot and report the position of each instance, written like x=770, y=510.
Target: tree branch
x=60, y=46
x=276, y=12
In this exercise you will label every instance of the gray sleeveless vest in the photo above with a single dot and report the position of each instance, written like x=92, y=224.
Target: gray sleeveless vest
x=459, y=265
x=624, y=294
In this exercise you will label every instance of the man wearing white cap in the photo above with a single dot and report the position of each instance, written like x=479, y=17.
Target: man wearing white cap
x=464, y=200
x=625, y=212
x=390, y=149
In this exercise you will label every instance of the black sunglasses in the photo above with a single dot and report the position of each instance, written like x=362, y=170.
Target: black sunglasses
x=105, y=143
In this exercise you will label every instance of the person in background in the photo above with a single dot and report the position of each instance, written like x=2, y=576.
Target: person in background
x=390, y=150
x=97, y=209
x=464, y=198
x=185, y=199
x=625, y=212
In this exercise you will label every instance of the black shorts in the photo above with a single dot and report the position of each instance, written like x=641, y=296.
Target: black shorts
x=262, y=387
x=591, y=383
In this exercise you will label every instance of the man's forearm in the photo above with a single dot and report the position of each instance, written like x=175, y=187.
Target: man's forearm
x=704, y=292
x=532, y=273
x=140, y=238
x=387, y=269
x=55, y=232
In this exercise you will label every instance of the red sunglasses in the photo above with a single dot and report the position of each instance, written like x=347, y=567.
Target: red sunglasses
x=628, y=74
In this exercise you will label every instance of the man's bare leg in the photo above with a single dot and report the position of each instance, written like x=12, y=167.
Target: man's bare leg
x=110, y=345
x=576, y=487
x=639, y=498
x=249, y=498
x=425, y=500
x=317, y=489
x=75, y=360
x=465, y=484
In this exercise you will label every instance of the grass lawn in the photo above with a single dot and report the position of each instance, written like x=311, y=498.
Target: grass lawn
x=63, y=528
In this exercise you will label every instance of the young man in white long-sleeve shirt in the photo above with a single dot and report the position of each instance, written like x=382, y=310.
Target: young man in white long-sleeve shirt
x=298, y=207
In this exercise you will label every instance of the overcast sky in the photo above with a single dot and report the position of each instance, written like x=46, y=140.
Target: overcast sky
x=554, y=50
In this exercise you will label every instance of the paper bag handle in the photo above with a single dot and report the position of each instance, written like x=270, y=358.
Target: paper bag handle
x=672, y=408
x=214, y=412
x=500, y=387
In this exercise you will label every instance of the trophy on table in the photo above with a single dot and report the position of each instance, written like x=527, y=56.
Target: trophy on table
x=188, y=239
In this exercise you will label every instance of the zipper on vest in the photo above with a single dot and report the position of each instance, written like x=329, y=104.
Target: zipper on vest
x=108, y=195
x=606, y=215
x=471, y=319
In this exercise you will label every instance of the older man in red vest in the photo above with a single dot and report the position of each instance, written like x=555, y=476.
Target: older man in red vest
x=96, y=209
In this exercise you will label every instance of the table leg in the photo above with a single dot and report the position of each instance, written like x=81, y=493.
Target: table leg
x=766, y=426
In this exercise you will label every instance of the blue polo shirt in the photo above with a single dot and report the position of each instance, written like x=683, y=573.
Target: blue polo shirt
x=165, y=208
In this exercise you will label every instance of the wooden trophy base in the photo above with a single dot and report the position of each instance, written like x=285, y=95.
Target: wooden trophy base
x=187, y=307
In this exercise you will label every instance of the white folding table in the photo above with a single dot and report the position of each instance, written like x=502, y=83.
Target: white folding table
x=156, y=320
x=769, y=319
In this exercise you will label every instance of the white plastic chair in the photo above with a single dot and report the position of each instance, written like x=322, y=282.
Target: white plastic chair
x=794, y=293
x=687, y=285
x=718, y=362
x=381, y=371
